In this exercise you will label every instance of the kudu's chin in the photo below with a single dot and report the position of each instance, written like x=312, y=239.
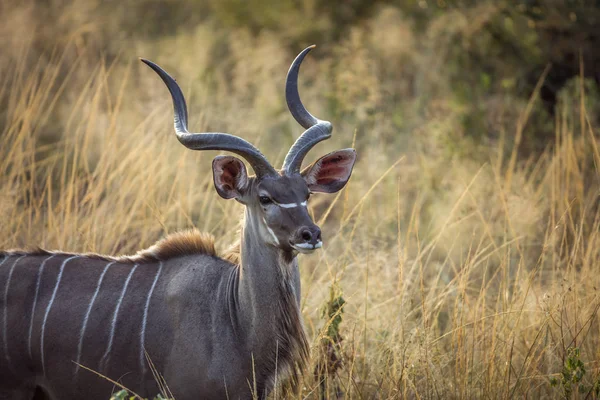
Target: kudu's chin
x=306, y=248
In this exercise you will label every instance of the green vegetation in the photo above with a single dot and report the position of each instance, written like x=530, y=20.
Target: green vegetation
x=329, y=355
x=124, y=395
x=467, y=244
x=572, y=377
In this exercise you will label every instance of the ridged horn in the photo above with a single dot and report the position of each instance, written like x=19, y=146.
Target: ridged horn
x=209, y=140
x=316, y=130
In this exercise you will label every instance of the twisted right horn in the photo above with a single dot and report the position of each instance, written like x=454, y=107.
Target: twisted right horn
x=210, y=140
x=316, y=130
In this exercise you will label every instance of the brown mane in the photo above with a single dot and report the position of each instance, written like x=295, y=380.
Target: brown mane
x=232, y=254
x=179, y=244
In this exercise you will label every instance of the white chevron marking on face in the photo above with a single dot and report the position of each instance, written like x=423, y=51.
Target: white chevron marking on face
x=145, y=320
x=5, y=322
x=37, y=291
x=271, y=232
x=290, y=205
x=87, y=314
x=286, y=205
x=49, y=307
x=106, y=356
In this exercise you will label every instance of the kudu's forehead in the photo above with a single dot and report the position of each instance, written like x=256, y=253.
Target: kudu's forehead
x=285, y=189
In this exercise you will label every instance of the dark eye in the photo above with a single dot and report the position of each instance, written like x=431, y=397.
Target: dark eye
x=264, y=200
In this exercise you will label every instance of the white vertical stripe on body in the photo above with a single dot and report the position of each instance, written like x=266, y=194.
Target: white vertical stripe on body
x=145, y=320
x=49, y=307
x=6, y=257
x=105, y=357
x=5, y=319
x=87, y=314
x=35, y=297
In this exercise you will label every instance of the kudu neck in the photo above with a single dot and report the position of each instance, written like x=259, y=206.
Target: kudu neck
x=267, y=272
x=268, y=305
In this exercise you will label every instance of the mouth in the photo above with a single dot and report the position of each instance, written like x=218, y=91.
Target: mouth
x=306, y=248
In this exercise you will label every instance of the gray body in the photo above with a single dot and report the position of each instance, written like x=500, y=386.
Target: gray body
x=208, y=321
x=212, y=328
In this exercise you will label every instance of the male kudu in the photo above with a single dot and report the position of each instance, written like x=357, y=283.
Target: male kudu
x=213, y=328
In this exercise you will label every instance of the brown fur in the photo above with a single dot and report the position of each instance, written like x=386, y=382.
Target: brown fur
x=175, y=245
x=232, y=254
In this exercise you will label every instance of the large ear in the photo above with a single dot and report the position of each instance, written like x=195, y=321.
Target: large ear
x=331, y=172
x=230, y=177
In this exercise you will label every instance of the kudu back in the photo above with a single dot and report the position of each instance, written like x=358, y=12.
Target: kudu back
x=213, y=327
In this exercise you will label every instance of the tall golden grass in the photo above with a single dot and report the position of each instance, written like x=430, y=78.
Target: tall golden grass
x=465, y=274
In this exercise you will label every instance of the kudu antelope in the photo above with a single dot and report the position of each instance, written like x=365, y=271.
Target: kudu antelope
x=213, y=328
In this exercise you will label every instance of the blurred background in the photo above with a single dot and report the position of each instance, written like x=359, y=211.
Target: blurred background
x=465, y=250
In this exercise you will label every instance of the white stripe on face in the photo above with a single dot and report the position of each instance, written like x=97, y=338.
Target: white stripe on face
x=4, y=325
x=49, y=307
x=290, y=205
x=37, y=290
x=145, y=319
x=87, y=314
x=286, y=205
x=106, y=356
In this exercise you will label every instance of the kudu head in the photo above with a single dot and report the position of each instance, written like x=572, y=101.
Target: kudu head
x=276, y=199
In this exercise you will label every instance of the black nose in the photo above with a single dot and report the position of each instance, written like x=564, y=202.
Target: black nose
x=311, y=234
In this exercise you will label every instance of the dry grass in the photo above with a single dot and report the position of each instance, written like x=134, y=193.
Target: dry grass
x=464, y=276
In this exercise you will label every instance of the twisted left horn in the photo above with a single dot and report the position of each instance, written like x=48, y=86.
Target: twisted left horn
x=209, y=140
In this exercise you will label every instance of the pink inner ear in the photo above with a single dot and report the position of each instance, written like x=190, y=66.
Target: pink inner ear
x=331, y=172
x=333, y=168
x=228, y=175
